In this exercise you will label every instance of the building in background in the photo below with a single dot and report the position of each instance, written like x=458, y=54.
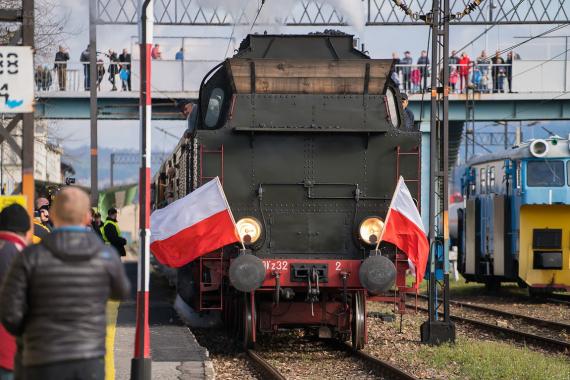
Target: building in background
x=47, y=160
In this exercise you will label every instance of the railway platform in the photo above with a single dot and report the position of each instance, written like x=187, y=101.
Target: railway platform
x=175, y=352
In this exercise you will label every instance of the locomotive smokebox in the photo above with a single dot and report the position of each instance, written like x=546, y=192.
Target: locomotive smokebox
x=377, y=274
x=247, y=273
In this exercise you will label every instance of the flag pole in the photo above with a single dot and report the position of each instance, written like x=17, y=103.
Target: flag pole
x=400, y=180
x=141, y=362
x=217, y=179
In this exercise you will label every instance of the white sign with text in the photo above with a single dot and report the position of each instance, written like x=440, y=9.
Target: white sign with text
x=16, y=79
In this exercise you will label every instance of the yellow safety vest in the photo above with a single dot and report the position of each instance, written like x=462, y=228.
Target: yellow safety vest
x=102, y=229
x=39, y=231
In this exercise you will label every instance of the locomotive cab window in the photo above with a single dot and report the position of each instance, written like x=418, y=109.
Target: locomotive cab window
x=214, y=108
x=392, y=107
x=545, y=173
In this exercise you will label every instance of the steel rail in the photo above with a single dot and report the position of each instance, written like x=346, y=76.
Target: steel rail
x=563, y=298
x=560, y=326
x=268, y=371
x=382, y=368
x=546, y=342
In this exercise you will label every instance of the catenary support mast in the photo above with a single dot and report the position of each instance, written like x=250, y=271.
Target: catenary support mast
x=439, y=328
x=93, y=101
x=141, y=363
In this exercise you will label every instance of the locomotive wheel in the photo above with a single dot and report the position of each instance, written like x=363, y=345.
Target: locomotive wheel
x=248, y=321
x=238, y=324
x=358, y=321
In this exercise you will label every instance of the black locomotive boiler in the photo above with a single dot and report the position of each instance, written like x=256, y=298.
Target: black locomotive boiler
x=305, y=134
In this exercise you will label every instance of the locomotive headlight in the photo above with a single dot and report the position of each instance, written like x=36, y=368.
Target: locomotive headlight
x=370, y=230
x=249, y=230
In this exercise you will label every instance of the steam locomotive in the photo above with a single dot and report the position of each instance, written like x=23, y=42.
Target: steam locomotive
x=306, y=135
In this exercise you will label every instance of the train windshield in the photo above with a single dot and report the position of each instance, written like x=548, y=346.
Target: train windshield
x=214, y=108
x=545, y=173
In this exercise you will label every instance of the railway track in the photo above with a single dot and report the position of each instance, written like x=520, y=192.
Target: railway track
x=523, y=336
x=264, y=367
x=554, y=325
x=380, y=368
x=560, y=299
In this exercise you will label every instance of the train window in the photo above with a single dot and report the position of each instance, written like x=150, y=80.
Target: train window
x=492, y=179
x=392, y=105
x=483, y=181
x=518, y=175
x=214, y=108
x=545, y=173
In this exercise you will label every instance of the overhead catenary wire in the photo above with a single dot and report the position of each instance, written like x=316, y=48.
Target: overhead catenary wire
x=551, y=30
x=541, y=64
x=505, y=15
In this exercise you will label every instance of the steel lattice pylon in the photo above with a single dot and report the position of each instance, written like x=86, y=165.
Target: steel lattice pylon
x=321, y=13
x=189, y=12
x=383, y=12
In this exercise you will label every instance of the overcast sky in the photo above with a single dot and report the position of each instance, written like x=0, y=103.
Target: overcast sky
x=380, y=42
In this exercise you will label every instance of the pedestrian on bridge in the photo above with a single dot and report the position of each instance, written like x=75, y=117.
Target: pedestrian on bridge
x=84, y=58
x=113, y=68
x=498, y=72
x=60, y=66
x=55, y=294
x=423, y=64
x=406, y=63
x=464, y=70
x=111, y=232
x=14, y=224
x=125, y=70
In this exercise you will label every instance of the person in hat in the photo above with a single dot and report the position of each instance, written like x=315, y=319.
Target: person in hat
x=55, y=294
x=14, y=224
x=96, y=223
x=406, y=63
x=408, y=114
x=111, y=232
x=42, y=222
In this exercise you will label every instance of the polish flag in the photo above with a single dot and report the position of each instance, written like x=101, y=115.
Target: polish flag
x=192, y=226
x=404, y=228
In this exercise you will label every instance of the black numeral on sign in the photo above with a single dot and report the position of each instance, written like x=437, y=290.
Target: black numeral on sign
x=12, y=66
x=4, y=91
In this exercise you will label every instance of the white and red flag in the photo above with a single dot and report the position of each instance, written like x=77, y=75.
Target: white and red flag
x=404, y=228
x=192, y=226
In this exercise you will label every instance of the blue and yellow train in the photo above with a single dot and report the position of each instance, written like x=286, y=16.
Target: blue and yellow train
x=515, y=223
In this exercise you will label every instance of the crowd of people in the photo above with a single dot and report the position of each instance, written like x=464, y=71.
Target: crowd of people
x=118, y=65
x=484, y=74
x=54, y=288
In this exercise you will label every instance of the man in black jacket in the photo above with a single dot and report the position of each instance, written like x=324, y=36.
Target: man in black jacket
x=85, y=59
x=56, y=292
x=111, y=232
x=60, y=65
x=409, y=122
x=125, y=59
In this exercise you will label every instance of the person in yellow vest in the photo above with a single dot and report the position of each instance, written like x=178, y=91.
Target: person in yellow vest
x=42, y=223
x=111, y=232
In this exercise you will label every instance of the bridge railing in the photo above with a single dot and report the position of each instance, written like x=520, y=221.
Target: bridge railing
x=167, y=76
x=172, y=76
x=483, y=77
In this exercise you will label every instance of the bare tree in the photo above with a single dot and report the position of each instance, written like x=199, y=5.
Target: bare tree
x=50, y=22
